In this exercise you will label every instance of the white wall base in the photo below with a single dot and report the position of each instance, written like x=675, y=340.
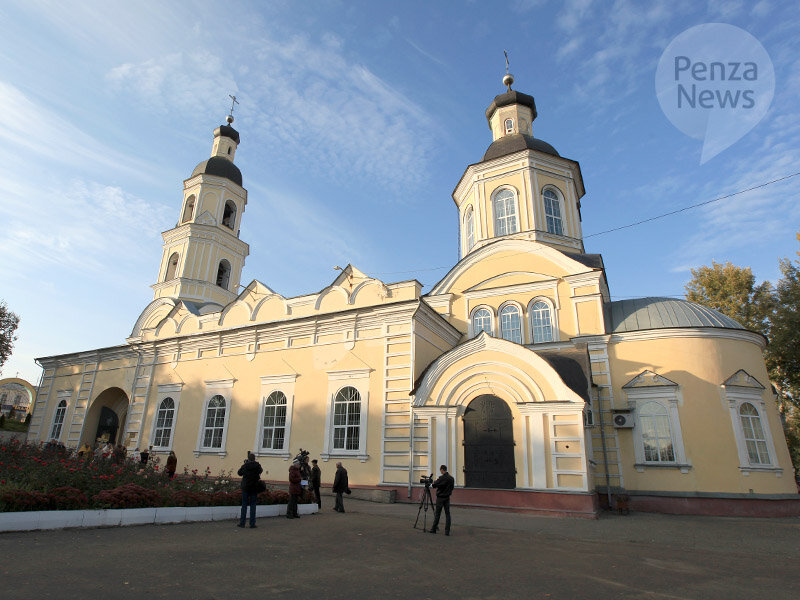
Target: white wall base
x=61, y=519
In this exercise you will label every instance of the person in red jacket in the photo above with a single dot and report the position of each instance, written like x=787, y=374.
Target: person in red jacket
x=294, y=490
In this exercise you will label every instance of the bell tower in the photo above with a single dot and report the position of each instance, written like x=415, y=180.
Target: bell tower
x=522, y=188
x=203, y=256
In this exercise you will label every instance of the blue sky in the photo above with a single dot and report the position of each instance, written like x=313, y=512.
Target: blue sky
x=357, y=120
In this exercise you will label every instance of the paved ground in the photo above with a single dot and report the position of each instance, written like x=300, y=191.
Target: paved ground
x=372, y=551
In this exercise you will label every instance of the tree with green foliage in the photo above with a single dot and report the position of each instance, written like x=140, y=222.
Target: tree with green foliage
x=8, y=325
x=783, y=356
x=733, y=291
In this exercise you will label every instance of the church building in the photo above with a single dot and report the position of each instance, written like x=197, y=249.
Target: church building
x=516, y=369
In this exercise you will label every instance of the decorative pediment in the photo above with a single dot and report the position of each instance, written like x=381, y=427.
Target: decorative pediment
x=743, y=379
x=206, y=218
x=647, y=379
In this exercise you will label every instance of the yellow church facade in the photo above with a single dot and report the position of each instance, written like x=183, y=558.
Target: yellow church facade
x=516, y=369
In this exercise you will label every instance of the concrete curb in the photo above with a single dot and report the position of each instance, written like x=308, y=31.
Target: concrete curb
x=62, y=519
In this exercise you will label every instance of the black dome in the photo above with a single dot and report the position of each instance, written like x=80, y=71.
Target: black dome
x=509, y=144
x=227, y=131
x=511, y=97
x=219, y=167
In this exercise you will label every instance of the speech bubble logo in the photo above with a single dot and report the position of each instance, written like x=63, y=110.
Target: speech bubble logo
x=715, y=82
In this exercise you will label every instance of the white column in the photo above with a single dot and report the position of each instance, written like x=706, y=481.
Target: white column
x=537, y=449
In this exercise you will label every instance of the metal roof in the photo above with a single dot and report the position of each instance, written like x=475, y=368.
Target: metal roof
x=663, y=313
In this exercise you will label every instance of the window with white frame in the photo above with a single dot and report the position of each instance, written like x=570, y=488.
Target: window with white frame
x=469, y=229
x=273, y=431
x=165, y=420
x=509, y=125
x=214, y=427
x=541, y=322
x=656, y=433
x=481, y=321
x=658, y=440
x=510, y=324
x=745, y=396
x=58, y=420
x=754, y=438
x=552, y=212
x=346, y=419
x=504, y=204
x=347, y=414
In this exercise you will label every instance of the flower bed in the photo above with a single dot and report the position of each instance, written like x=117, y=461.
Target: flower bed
x=41, y=477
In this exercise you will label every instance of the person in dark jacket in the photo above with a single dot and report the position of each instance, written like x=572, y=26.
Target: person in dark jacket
x=340, y=486
x=250, y=472
x=295, y=490
x=444, y=488
x=316, y=478
x=172, y=464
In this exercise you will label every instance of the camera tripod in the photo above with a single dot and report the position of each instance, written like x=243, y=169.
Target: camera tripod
x=425, y=502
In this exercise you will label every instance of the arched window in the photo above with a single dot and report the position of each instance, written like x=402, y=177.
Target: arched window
x=165, y=417
x=509, y=125
x=229, y=215
x=552, y=213
x=188, y=210
x=274, y=425
x=214, y=427
x=505, y=212
x=656, y=433
x=510, y=327
x=224, y=274
x=58, y=420
x=481, y=321
x=346, y=419
x=754, y=437
x=172, y=267
x=469, y=229
x=541, y=322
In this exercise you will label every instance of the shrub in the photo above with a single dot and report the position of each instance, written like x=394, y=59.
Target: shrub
x=127, y=496
x=67, y=498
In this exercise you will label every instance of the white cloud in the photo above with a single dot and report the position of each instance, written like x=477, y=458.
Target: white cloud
x=304, y=102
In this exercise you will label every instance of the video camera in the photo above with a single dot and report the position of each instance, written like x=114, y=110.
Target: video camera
x=301, y=456
x=427, y=481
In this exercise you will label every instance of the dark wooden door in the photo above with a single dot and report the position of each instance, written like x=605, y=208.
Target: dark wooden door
x=489, y=444
x=108, y=424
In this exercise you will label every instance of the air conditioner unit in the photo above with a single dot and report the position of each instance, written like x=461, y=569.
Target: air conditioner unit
x=623, y=420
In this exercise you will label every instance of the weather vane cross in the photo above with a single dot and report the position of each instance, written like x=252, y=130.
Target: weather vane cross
x=234, y=101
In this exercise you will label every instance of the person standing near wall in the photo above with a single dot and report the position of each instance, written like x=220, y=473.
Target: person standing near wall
x=340, y=486
x=295, y=489
x=250, y=472
x=316, y=479
x=172, y=464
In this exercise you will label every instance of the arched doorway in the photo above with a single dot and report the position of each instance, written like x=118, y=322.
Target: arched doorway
x=489, y=444
x=105, y=419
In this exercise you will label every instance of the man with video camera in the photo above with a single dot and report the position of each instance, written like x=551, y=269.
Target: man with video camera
x=444, y=488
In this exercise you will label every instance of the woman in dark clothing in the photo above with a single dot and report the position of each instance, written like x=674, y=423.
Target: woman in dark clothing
x=172, y=464
x=250, y=472
x=295, y=489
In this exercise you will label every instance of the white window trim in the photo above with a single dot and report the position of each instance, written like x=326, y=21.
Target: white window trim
x=508, y=130
x=467, y=230
x=66, y=396
x=221, y=387
x=358, y=379
x=492, y=320
x=276, y=383
x=561, y=209
x=167, y=390
x=736, y=396
x=522, y=328
x=669, y=396
x=516, y=210
x=553, y=320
